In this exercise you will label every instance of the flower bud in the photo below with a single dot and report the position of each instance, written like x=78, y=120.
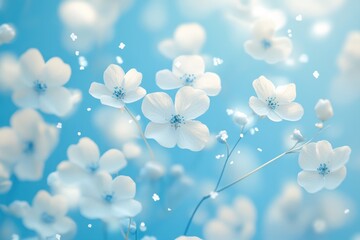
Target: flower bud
x=323, y=109
x=240, y=118
x=297, y=136
x=222, y=136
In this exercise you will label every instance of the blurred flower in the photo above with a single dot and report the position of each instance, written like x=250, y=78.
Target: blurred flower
x=5, y=182
x=109, y=198
x=275, y=103
x=240, y=118
x=310, y=8
x=25, y=146
x=189, y=71
x=85, y=161
x=322, y=166
x=187, y=238
x=222, y=136
x=41, y=85
x=174, y=125
x=131, y=150
x=149, y=238
x=10, y=72
x=236, y=222
x=324, y=110
x=265, y=46
x=297, y=136
x=188, y=39
x=119, y=88
x=7, y=33
x=152, y=171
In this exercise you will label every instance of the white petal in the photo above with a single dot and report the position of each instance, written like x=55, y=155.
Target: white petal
x=112, y=161
x=191, y=103
x=26, y=98
x=283, y=45
x=193, y=135
x=264, y=88
x=324, y=151
x=56, y=101
x=112, y=102
x=190, y=37
x=308, y=159
x=55, y=73
x=28, y=169
x=291, y=111
x=10, y=145
x=264, y=28
x=84, y=153
x=134, y=95
x=32, y=64
x=168, y=48
x=340, y=156
x=255, y=49
x=163, y=133
x=126, y=209
x=70, y=172
x=132, y=80
x=41, y=199
x=94, y=208
x=64, y=225
x=5, y=186
x=166, y=80
x=258, y=106
x=210, y=83
x=25, y=123
x=97, y=90
x=273, y=116
x=311, y=181
x=286, y=93
x=113, y=76
x=334, y=179
x=188, y=64
x=124, y=188
x=158, y=107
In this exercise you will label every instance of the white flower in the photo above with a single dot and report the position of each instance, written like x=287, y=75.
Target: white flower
x=236, y=222
x=240, y=118
x=222, y=136
x=188, y=39
x=323, y=166
x=297, y=136
x=189, y=71
x=25, y=146
x=265, y=46
x=152, y=171
x=324, y=110
x=5, y=182
x=42, y=83
x=275, y=103
x=109, y=198
x=7, y=33
x=119, y=88
x=85, y=161
x=174, y=125
x=187, y=238
x=47, y=215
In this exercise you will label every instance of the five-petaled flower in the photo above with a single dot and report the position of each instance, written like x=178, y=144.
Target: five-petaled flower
x=275, y=103
x=119, y=88
x=322, y=166
x=173, y=124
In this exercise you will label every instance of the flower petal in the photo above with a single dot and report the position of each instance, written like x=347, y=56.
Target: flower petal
x=32, y=63
x=127, y=208
x=334, y=179
x=193, y=135
x=311, y=181
x=124, y=188
x=97, y=90
x=25, y=98
x=286, y=93
x=132, y=80
x=340, y=156
x=56, y=101
x=255, y=49
x=291, y=111
x=84, y=152
x=55, y=73
x=25, y=123
x=258, y=106
x=166, y=80
x=273, y=116
x=210, y=83
x=324, y=151
x=71, y=173
x=112, y=102
x=264, y=88
x=134, y=95
x=191, y=103
x=41, y=199
x=188, y=64
x=10, y=145
x=169, y=48
x=94, y=208
x=308, y=159
x=112, y=161
x=163, y=133
x=28, y=169
x=264, y=28
x=113, y=76
x=158, y=107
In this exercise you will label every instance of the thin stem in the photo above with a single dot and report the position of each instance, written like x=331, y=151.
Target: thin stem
x=152, y=156
x=128, y=231
x=194, y=212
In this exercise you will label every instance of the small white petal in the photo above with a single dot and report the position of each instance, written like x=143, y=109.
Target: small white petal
x=124, y=188
x=191, y=103
x=264, y=28
x=158, y=107
x=286, y=93
x=273, y=116
x=135, y=95
x=264, y=88
x=169, y=48
x=340, y=156
x=166, y=80
x=112, y=102
x=84, y=152
x=334, y=179
x=210, y=83
x=112, y=161
x=258, y=106
x=97, y=90
x=55, y=72
x=128, y=208
x=70, y=172
x=188, y=64
x=56, y=101
x=311, y=181
x=32, y=64
x=113, y=76
x=193, y=135
x=132, y=80
x=308, y=159
x=26, y=123
x=255, y=49
x=29, y=170
x=291, y=111
x=163, y=133
x=26, y=98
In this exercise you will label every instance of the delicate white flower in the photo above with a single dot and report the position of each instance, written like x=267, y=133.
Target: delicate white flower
x=188, y=39
x=236, y=222
x=265, y=46
x=174, y=125
x=297, y=136
x=5, y=182
x=7, y=33
x=25, y=146
x=189, y=71
x=323, y=166
x=47, y=215
x=222, y=136
x=109, y=198
x=42, y=83
x=10, y=72
x=275, y=103
x=119, y=88
x=240, y=118
x=85, y=161
x=324, y=110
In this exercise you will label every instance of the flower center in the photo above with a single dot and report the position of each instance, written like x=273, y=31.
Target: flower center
x=47, y=218
x=177, y=120
x=118, y=93
x=92, y=167
x=323, y=169
x=272, y=103
x=39, y=87
x=266, y=44
x=108, y=198
x=188, y=79
x=29, y=147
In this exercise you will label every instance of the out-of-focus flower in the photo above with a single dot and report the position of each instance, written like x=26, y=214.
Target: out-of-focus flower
x=297, y=136
x=324, y=110
x=188, y=39
x=7, y=33
x=119, y=88
x=85, y=161
x=275, y=103
x=10, y=72
x=222, y=136
x=240, y=118
x=310, y=8
x=265, y=46
x=41, y=84
x=174, y=125
x=189, y=71
x=25, y=146
x=5, y=182
x=152, y=171
x=149, y=238
x=109, y=198
x=323, y=166
x=236, y=222
x=187, y=238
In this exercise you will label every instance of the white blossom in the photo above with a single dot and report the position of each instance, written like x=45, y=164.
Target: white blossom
x=324, y=110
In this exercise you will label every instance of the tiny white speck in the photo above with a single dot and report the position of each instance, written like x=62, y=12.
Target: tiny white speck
x=238, y=152
x=229, y=112
x=155, y=197
x=290, y=35
x=252, y=131
x=88, y=109
x=303, y=58
x=299, y=18
x=316, y=74
x=169, y=209
x=81, y=68
x=119, y=60
x=89, y=225
x=142, y=227
x=289, y=30
x=79, y=133
x=256, y=129
x=58, y=236
x=259, y=149
x=241, y=135
x=122, y=45
x=217, y=61
x=73, y=37
x=347, y=211
x=232, y=162
x=319, y=125
x=138, y=117
x=218, y=156
x=213, y=195
x=77, y=53
x=59, y=125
